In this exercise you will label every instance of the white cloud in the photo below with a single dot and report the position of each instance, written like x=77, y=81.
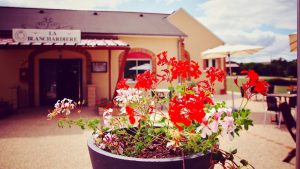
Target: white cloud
x=241, y=22
x=249, y=14
x=65, y=4
x=168, y=2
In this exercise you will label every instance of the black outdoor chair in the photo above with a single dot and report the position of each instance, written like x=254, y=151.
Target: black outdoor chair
x=273, y=106
x=270, y=89
x=290, y=123
x=293, y=102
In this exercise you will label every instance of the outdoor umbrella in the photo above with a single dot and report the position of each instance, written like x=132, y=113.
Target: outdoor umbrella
x=228, y=51
x=232, y=65
x=145, y=66
x=293, y=42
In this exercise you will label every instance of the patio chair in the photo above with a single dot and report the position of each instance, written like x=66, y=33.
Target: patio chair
x=290, y=123
x=293, y=102
x=272, y=106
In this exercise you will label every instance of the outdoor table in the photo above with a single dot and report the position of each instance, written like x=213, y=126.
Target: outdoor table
x=284, y=95
x=162, y=93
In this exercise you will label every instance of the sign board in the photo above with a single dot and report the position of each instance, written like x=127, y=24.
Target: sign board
x=46, y=35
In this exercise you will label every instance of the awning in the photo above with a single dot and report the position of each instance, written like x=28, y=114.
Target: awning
x=84, y=43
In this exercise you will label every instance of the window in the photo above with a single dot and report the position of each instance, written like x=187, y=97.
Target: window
x=136, y=66
x=211, y=63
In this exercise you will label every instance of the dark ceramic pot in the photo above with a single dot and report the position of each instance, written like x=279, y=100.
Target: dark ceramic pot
x=104, y=160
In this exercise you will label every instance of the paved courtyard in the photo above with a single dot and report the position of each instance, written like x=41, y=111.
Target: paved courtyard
x=29, y=141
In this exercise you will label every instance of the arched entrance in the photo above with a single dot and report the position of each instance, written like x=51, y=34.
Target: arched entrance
x=45, y=66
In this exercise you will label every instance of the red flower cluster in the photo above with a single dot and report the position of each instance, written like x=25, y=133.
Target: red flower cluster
x=254, y=85
x=188, y=108
x=122, y=84
x=162, y=58
x=183, y=69
x=213, y=75
x=146, y=80
x=130, y=111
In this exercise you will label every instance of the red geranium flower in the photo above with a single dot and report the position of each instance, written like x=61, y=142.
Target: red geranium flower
x=254, y=85
x=131, y=113
x=261, y=87
x=146, y=80
x=122, y=84
x=162, y=58
x=187, y=109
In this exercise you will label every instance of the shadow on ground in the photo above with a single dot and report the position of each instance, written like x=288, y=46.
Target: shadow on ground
x=33, y=123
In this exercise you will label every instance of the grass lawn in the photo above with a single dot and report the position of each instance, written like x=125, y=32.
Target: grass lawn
x=241, y=79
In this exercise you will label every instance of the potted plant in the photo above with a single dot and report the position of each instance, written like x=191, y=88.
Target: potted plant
x=183, y=135
x=103, y=104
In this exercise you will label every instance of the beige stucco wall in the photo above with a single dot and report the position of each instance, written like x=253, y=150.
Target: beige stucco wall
x=155, y=44
x=198, y=39
x=101, y=80
x=10, y=63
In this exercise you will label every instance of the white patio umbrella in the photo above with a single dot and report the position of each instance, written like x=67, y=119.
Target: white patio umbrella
x=293, y=42
x=232, y=65
x=145, y=66
x=229, y=51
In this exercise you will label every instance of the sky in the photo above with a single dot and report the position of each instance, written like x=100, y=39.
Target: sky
x=251, y=22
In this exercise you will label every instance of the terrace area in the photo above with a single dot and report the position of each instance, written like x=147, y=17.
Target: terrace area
x=28, y=140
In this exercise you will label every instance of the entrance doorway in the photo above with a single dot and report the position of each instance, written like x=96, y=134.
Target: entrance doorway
x=60, y=78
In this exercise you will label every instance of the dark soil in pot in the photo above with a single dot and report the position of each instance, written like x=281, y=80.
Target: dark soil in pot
x=105, y=160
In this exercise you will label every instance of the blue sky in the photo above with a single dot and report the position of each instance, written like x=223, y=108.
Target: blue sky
x=252, y=22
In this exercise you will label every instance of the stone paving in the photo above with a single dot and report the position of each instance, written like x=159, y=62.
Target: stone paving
x=29, y=141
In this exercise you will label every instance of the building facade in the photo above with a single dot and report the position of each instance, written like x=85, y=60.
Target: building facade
x=49, y=54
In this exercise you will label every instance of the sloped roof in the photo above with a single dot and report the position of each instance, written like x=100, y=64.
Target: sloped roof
x=101, y=22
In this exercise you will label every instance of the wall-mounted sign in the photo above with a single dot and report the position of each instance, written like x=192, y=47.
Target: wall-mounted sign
x=46, y=35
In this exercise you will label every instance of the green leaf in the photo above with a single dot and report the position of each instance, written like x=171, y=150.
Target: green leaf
x=171, y=88
x=139, y=146
x=157, y=130
x=162, y=120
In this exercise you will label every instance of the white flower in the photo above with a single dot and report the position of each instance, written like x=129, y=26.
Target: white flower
x=107, y=112
x=130, y=95
x=214, y=126
x=67, y=104
x=207, y=129
x=229, y=111
x=228, y=127
x=171, y=143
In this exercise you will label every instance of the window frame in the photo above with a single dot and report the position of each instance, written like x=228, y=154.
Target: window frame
x=212, y=63
x=136, y=60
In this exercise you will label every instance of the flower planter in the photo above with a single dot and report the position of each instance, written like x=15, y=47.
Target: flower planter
x=104, y=160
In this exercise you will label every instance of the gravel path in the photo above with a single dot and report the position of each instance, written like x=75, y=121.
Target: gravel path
x=29, y=141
